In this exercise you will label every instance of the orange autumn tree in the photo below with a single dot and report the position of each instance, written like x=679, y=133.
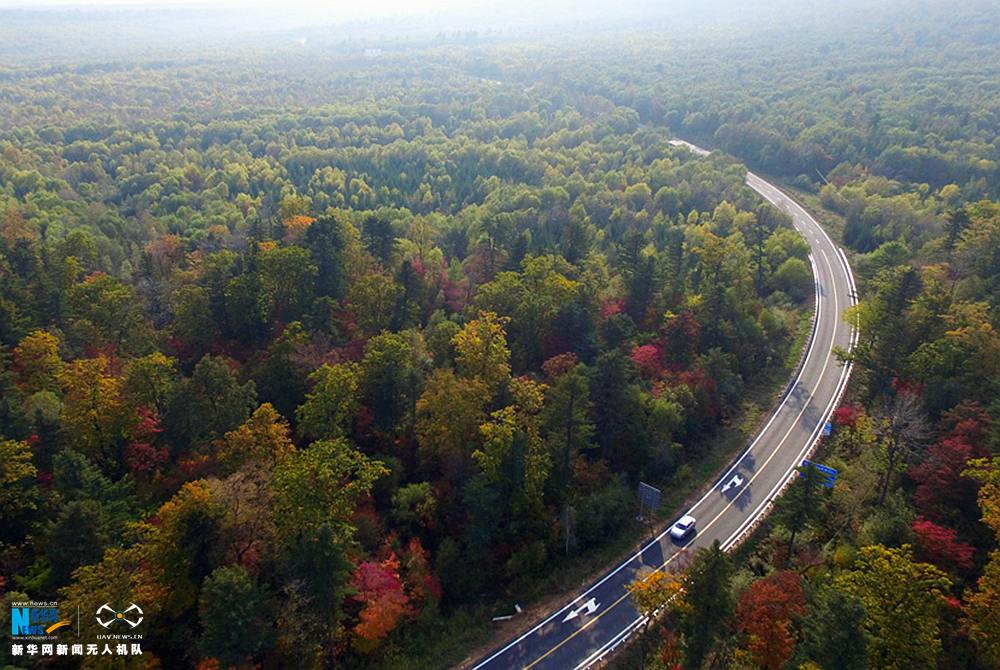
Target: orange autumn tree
x=296, y=227
x=424, y=588
x=765, y=615
x=654, y=592
x=379, y=588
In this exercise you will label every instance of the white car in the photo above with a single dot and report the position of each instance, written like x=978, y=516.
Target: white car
x=682, y=527
x=733, y=483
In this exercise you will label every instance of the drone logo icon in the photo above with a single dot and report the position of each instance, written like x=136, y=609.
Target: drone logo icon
x=107, y=616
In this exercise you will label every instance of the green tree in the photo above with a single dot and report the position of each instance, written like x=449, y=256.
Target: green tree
x=233, y=611
x=325, y=240
x=211, y=402
x=618, y=411
x=287, y=280
x=389, y=379
x=902, y=600
x=320, y=486
x=835, y=636
x=194, y=318
x=414, y=506
x=17, y=475
x=331, y=405
x=802, y=504
x=566, y=419
x=707, y=603
x=102, y=308
x=373, y=299
x=886, y=335
x=76, y=537
x=793, y=278
x=281, y=378
x=449, y=413
x=152, y=381
x=316, y=568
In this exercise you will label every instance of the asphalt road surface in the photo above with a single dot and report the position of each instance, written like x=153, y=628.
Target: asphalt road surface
x=592, y=625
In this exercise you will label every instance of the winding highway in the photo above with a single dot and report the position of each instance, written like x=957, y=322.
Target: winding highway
x=592, y=625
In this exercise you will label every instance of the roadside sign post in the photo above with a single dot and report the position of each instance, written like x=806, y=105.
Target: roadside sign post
x=649, y=498
x=830, y=474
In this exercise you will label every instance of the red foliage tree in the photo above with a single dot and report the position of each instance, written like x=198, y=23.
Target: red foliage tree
x=847, y=415
x=942, y=492
x=379, y=589
x=141, y=456
x=940, y=546
x=765, y=614
x=670, y=650
x=424, y=588
x=941, y=488
x=647, y=360
x=681, y=333
x=560, y=364
x=611, y=307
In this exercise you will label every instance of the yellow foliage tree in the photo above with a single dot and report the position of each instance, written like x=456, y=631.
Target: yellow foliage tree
x=654, y=592
x=481, y=350
x=37, y=362
x=263, y=440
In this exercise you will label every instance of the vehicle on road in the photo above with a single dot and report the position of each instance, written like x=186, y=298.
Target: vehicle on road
x=733, y=483
x=682, y=527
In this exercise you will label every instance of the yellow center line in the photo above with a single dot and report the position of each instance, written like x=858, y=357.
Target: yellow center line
x=725, y=509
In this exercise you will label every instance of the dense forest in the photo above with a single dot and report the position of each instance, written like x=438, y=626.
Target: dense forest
x=319, y=354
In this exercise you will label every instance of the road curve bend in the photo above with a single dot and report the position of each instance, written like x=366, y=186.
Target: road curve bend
x=593, y=624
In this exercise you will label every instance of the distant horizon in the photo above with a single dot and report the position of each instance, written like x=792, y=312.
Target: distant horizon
x=340, y=7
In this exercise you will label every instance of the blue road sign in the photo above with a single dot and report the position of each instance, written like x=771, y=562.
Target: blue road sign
x=831, y=474
x=827, y=429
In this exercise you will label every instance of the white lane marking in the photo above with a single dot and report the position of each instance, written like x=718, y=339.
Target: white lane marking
x=588, y=608
x=726, y=546
x=776, y=195
x=618, y=637
x=728, y=542
x=815, y=432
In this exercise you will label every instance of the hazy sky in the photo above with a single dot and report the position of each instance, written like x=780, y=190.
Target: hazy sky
x=337, y=6
x=304, y=11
